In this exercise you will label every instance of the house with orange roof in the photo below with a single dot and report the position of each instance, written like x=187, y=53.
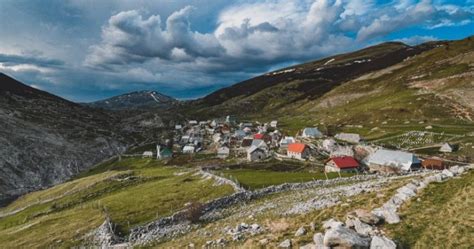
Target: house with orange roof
x=298, y=151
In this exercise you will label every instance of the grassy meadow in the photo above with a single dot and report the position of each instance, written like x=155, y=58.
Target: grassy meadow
x=131, y=192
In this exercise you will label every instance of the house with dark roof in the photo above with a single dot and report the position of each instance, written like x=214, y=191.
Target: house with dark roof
x=341, y=164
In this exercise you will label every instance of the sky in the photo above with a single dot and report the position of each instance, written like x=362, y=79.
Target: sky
x=86, y=50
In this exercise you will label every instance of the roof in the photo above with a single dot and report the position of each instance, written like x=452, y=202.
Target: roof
x=223, y=150
x=297, y=147
x=259, y=143
x=399, y=159
x=246, y=142
x=349, y=137
x=258, y=136
x=254, y=148
x=345, y=162
x=166, y=151
x=312, y=132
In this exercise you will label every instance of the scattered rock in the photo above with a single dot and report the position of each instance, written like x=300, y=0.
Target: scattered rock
x=366, y=216
x=264, y=242
x=312, y=226
x=382, y=242
x=300, y=232
x=360, y=227
x=318, y=239
x=285, y=244
x=447, y=173
x=332, y=223
x=309, y=246
x=388, y=213
x=344, y=237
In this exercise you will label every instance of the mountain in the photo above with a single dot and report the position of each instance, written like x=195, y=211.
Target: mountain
x=387, y=81
x=46, y=139
x=135, y=100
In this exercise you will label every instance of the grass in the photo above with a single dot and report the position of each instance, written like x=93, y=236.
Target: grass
x=442, y=218
x=255, y=178
x=132, y=192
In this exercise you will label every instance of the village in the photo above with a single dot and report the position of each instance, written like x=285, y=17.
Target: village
x=246, y=142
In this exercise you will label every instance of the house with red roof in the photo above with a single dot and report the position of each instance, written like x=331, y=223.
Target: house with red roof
x=258, y=136
x=298, y=151
x=342, y=164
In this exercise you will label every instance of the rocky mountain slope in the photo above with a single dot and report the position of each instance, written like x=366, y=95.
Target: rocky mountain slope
x=46, y=139
x=135, y=100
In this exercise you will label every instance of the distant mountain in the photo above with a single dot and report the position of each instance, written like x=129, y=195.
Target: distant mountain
x=135, y=100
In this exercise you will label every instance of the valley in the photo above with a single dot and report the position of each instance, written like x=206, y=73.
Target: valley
x=264, y=163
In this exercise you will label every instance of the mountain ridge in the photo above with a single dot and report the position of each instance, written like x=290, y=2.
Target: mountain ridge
x=135, y=100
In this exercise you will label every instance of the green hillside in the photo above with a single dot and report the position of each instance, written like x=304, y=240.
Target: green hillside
x=136, y=192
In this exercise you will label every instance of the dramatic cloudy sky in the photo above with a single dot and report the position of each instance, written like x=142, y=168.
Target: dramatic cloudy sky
x=85, y=50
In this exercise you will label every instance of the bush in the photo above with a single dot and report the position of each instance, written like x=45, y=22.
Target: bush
x=194, y=211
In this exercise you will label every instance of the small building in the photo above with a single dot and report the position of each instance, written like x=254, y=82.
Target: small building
x=247, y=142
x=433, y=163
x=188, y=149
x=223, y=152
x=311, y=133
x=298, y=151
x=255, y=153
x=216, y=137
x=247, y=130
x=230, y=119
x=258, y=136
x=392, y=161
x=147, y=154
x=259, y=144
x=162, y=153
x=274, y=124
x=348, y=137
x=178, y=127
x=193, y=122
x=341, y=164
x=284, y=142
x=185, y=139
x=329, y=145
x=239, y=134
x=446, y=148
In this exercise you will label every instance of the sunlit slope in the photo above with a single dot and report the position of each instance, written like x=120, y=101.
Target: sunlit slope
x=139, y=191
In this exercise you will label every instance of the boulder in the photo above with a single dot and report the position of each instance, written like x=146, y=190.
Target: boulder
x=359, y=226
x=300, y=232
x=332, y=223
x=285, y=244
x=406, y=191
x=382, y=242
x=366, y=216
x=264, y=242
x=447, y=173
x=341, y=236
x=388, y=213
x=309, y=246
x=318, y=239
x=455, y=170
x=412, y=186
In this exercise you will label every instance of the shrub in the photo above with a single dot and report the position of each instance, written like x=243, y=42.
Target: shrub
x=194, y=211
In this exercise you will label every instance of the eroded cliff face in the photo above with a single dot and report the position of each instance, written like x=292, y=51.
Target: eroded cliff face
x=45, y=140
